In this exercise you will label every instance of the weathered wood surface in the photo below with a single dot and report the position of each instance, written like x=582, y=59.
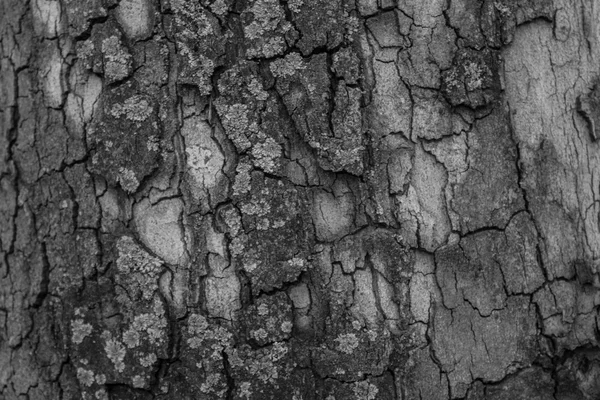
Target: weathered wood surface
x=299, y=199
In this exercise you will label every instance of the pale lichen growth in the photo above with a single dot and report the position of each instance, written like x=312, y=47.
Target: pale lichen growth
x=365, y=391
x=211, y=383
x=131, y=338
x=191, y=11
x=241, y=185
x=295, y=5
x=237, y=125
x=266, y=154
x=245, y=390
x=259, y=334
x=267, y=29
x=100, y=379
x=347, y=343
x=128, y=180
x=138, y=381
x=80, y=330
x=202, y=67
x=138, y=269
x=153, y=143
x=85, y=377
x=101, y=394
x=287, y=326
x=200, y=333
x=233, y=220
x=262, y=363
x=259, y=207
x=287, y=66
x=118, y=61
x=148, y=360
x=136, y=108
x=194, y=23
x=256, y=89
x=151, y=324
x=219, y=7
x=115, y=352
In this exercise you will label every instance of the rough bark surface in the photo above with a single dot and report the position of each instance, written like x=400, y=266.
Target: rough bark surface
x=299, y=199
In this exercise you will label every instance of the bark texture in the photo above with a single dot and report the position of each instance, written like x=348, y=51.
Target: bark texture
x=299, y=199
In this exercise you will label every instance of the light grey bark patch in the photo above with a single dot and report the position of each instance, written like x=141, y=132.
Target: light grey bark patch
x=468, y=272
x=531, y=383
x=469, y=346
x=423, y=206
x=386, y=30
x=421, y=378
x=554, y=141
x=432, y=115
x=391, y=108
x=333, y=213
x=136, y=17
x=160, y=228
x=205, y=162
x=488, y=194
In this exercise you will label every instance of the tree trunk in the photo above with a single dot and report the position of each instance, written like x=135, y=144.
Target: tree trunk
x=299, y=199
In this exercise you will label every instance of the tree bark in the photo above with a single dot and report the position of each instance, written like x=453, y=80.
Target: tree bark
x=299, y=199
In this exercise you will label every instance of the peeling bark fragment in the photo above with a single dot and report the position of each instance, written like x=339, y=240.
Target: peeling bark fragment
x=307, y=97
x=106, y=53
x=252, y=118
x=432, y=116
x=588, y=106
x=465, y=16
x=81, y=14
x=423, y=207
x=577, y=377
x=568, y=312
x=473, y=79
x=125, y=136
x=530, y=384
x=432, y=51
x=271, y=242
x=346, y=65
x=392, y=160
x=469, y=346
x=325, y=28
x=88, y=210
x=391, y=108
